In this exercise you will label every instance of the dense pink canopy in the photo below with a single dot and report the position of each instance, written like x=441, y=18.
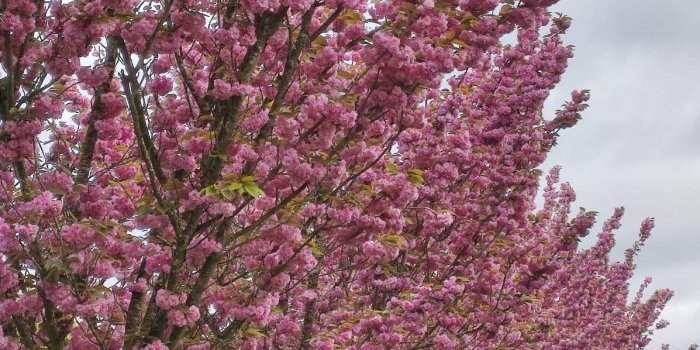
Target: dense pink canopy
x=296, y=174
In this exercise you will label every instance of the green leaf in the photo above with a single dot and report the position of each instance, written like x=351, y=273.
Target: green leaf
x=352, y=198
x=230, y=190
x=351, y=17
x=416, y=177
x=255, y=332
x=51, y=274
x=285, y=112
x=144, y=209
x=209, y=191
x=345, y=75
x=53, y=270
x=252, y=189
x=349, y=100
x=248, y=179
x=391, y=168
x=505, y=9
x=315, y=249
x=394, y=240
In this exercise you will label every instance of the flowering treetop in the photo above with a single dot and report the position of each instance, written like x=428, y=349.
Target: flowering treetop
x=314, y=174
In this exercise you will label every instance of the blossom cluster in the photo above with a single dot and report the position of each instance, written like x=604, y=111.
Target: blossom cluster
x=297, y=174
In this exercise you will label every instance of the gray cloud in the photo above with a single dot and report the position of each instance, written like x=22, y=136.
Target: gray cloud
x=638, y=144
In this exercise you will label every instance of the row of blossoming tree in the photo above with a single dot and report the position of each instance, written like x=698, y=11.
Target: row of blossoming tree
x=296, y=174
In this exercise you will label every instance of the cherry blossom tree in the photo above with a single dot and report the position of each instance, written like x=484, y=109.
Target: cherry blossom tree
x=297, y=174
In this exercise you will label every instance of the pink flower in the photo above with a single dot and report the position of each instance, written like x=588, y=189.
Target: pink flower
x=167, y=300
x=255, y=122
x=162, y=65
x=44, y=206
x=112, y=105
x=222, y=90
x=179, y=318
x=158, y=263
x=78, y=235
x=374, y=251
x=442, y=341
x=161, y=85
x=92, y=77
x=156, y=345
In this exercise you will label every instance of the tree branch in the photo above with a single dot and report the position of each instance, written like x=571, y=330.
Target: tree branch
x=213, y=259
x=309, y=314
x=87, y=148
x=138, y=112
x=133, y=315
x=227, y=114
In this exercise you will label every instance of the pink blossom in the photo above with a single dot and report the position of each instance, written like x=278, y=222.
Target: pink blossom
x=160, y=85
x=167, y=300
x=156, y=345
x=339, y=174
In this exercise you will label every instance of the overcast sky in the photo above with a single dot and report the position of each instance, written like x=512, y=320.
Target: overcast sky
x=638, y=145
